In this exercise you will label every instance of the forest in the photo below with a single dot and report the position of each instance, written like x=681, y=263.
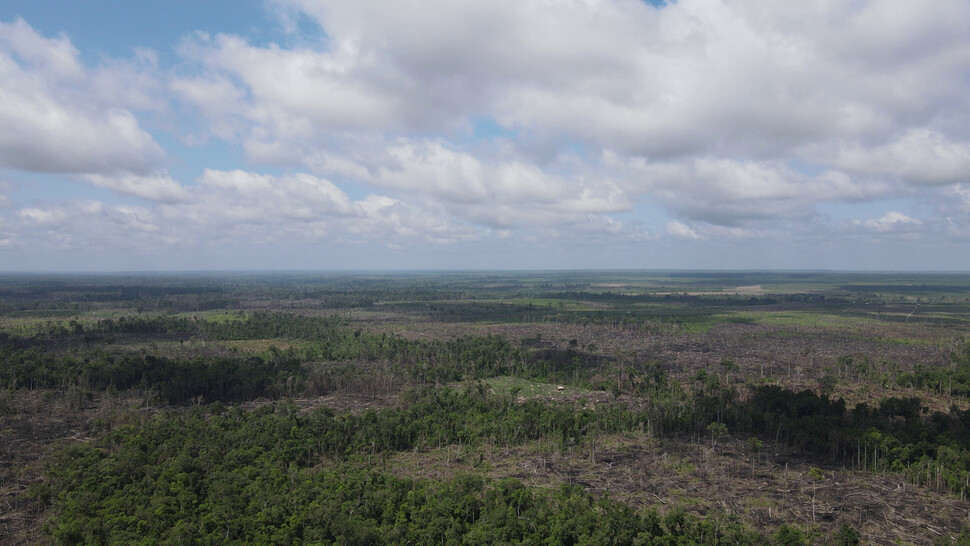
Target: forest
x=560, y=407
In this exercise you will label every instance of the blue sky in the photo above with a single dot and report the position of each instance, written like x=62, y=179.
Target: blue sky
x=380, y=134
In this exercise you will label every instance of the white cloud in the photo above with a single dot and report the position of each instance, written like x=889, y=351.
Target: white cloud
x=44, y=217
x=460, y=177
x=4, y=198
x=919, y=156
x=240, y=181
x=50, y=55
x=696, y=76
x=956, y=200
x=157, y=186
x=234, y=208
x=57, y=116
x=297, y=196
x=717, y=100
x=489, y=189
x=892, y=221
x=217, y=98
x=293, y=92
x=300, y=207
x=520, y=121
x=731, y=192
x=87, y=224
x=681, y=230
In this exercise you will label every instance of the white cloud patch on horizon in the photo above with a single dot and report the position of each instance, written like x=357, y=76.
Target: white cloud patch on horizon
x=238, y=207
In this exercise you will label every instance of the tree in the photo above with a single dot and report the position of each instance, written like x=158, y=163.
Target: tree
x=754, y=446
x=717, y=431
x=729, y=365
x=816, y=475
x=846, y=536
x=789, y=536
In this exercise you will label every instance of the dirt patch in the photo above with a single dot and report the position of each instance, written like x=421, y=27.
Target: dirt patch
x=752, y=289
x=339, y=402
x=798, y=358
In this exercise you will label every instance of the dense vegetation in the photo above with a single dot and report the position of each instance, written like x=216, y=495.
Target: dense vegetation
x=251, y=477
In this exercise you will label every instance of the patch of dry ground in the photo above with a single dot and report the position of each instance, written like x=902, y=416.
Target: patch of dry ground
x=795, y=359
x=764, y=490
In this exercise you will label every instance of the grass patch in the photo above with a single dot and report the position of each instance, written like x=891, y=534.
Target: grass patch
x=157, y=347
x=259, y=345
x=217, y=317
x=799, y=319
x=532, y=389
x=31, y=322
x=556, y=304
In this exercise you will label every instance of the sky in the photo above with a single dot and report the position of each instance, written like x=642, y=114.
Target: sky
x=508, y=134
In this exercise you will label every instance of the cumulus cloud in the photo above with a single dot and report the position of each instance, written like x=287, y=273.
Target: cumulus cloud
x=217, y=98
x=681, y=230
x=263, y=198
x=4, y=198
x=52, y=217
x=720, y=104
x=694, y=76
x=518, y=121
x=8, y=239
x=919, y=156
x=492, y=189
x=302, y=207
x=500, y=192
x=956, y=200
x=234, y=207
x=157, y=186
x=58, y=116
x=292, y=93
x=90, y=224
x=892, y=222
x=730, y=192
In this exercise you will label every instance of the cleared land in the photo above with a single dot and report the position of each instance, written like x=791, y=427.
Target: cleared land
x=618, y=383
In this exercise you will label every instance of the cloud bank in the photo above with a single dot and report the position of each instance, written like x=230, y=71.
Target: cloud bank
x=689, y=132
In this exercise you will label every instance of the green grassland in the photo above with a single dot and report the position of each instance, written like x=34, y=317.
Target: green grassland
x=533, y=389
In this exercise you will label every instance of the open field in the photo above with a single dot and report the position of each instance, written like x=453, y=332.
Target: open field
x=785, y=403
